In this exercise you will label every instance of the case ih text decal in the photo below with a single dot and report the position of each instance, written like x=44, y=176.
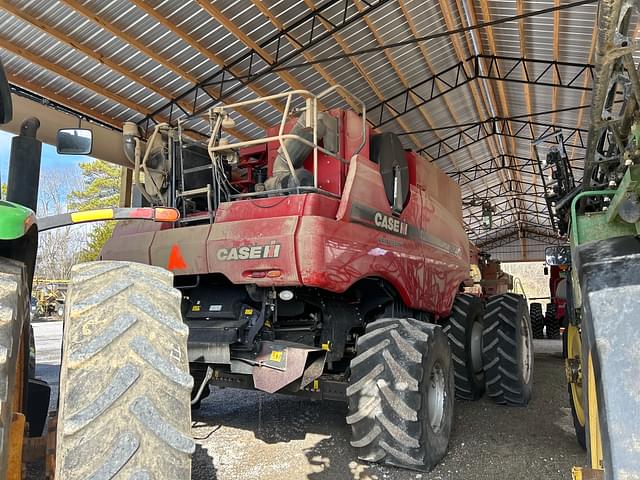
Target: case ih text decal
x=391, y=224
x=249, y=252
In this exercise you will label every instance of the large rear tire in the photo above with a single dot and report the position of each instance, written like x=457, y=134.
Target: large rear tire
x=508, y=350
x=401, y=394
x=14, y=309
x=464, y=328
x=124, y=383
x=537, y=320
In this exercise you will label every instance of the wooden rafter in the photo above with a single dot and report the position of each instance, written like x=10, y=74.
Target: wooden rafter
x=425, y=55
x=129, y=39
x=22, y=14
x=398, y=71
x=556, y=48
x=504, y=103
x=83, y=82
x=223, y=20
x=477, y=97
x=360, y=68
x=62, y=100
x=205, y=52
x=69, y=75
x=583, y=97
x=139, y=45
x=260, y=5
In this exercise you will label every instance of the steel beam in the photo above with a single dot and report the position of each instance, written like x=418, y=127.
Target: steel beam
x=521, y=129
x=536, y=72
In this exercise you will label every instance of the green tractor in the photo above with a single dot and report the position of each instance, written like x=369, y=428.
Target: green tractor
x=601, y=218
x=124, y=400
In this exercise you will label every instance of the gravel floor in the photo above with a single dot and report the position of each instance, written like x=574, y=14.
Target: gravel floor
x=251, y=435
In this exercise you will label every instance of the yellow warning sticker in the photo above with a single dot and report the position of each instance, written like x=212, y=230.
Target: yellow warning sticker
x=195, y=308
x=276, y=356
x=248, y=311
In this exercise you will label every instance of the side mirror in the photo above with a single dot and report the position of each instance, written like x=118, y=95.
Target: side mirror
x=546, y=270
x=74, y=141
x=560, y=255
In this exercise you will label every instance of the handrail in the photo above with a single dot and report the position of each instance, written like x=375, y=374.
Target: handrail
x=218, y=114
x=589, y=193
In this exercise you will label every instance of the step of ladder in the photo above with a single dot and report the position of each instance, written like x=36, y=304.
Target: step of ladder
x=198, y=169
x=196, y=218
x=195, y=191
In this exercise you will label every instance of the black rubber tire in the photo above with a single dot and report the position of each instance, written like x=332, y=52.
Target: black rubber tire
x=124, y=381
x=551, y=322
x=537, y=320
x=14, y=311
x=389, y=392
x=467, y=311
x=507, y=349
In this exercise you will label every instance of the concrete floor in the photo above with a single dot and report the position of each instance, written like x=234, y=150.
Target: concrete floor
x=251, y=435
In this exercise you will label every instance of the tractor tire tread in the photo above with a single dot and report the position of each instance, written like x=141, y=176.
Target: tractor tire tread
x=124, y=381
x=466, y=309
x=385, y=406
x=504, y=383
x=13, y=288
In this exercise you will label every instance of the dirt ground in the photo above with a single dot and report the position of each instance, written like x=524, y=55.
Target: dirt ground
x=245, y=435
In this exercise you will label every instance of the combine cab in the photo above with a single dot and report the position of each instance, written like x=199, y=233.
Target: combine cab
x=325, y=260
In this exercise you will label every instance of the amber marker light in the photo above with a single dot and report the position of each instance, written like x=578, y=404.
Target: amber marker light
x=166, y=215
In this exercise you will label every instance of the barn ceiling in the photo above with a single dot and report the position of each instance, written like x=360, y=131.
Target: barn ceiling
x=467, y=83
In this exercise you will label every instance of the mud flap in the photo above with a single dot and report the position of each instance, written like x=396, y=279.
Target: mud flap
x=280, y=363
x=609, y=273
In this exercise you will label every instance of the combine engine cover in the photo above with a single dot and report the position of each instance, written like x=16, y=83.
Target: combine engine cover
x=287, y=246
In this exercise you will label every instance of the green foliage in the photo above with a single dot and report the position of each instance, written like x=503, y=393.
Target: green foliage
x=101, y=181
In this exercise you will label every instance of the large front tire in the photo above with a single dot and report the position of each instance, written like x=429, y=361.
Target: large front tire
x=508, y=350
x=401, y=394
x=124, y=383
x=14, y=310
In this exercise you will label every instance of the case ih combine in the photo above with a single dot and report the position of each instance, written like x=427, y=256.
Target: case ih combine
x=325, y=260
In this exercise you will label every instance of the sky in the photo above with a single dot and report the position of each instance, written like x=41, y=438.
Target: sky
x=50, y=159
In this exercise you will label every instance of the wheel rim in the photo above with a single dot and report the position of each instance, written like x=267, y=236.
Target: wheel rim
x=435, y=397
x=476, y=349
x=526, y=352
x=574, y=352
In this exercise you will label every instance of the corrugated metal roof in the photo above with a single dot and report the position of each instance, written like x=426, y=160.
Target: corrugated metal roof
x=164, y=60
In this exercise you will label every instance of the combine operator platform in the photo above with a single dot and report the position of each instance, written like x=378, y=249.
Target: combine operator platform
x=325, y=260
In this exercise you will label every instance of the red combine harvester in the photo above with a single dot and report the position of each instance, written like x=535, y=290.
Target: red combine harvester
x=558, y=268
x=325, y=260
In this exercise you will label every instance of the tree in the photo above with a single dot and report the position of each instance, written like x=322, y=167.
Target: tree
x=58, y=249
x=101, y=189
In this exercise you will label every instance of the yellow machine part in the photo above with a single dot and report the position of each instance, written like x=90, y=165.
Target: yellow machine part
x=595, y=439
x=16, y=432
x=16, y=437
x=574, y=353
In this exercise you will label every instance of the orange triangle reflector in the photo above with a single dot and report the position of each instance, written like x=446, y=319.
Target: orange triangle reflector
x=176, y=260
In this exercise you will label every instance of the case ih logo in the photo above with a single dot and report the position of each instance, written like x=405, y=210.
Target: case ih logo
x=391, y=224
x=249, y=252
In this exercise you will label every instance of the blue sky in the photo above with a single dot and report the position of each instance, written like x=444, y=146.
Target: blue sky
x=50, y=158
